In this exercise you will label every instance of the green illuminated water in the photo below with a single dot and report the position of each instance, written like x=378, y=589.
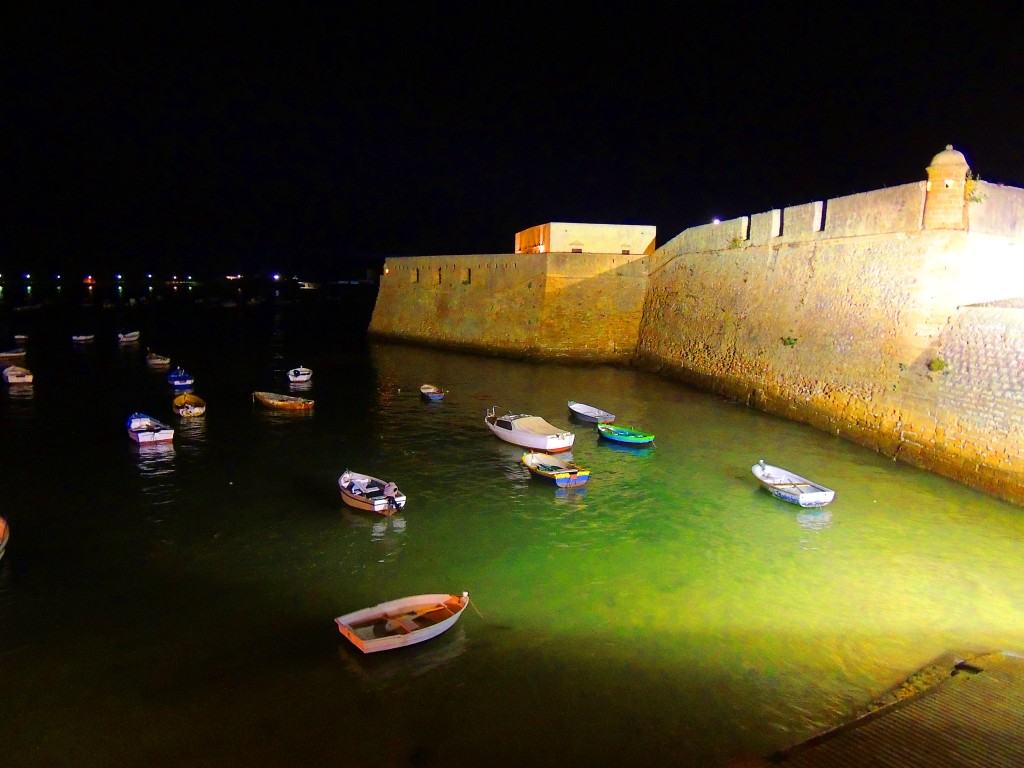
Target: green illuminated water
x=175, y=607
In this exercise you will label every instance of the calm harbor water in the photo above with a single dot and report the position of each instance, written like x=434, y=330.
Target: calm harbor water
x=174, y=606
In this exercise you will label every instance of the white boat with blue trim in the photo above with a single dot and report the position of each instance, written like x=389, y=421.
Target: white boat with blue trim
x=791, y=487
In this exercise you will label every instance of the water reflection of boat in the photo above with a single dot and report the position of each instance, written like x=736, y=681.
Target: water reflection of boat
x=377, y=671
x=814, y=519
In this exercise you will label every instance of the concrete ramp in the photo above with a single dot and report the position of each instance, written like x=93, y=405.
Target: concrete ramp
x=974, y=717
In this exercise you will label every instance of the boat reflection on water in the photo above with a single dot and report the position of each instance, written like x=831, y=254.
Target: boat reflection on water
x=379, y=527
x=300, y=386
x=378, y=671
x=21, y=391
x=644, y=450
x=570, y=494
x=814, y=520
x=156, y=469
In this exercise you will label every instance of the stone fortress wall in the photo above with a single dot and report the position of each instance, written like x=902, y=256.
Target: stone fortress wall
x=894, y=318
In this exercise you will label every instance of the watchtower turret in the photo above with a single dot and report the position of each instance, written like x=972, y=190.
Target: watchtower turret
x=945, y=206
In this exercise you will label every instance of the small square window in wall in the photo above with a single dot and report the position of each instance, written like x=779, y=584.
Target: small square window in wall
x=465, y=275
x=625, y=251
x=577, y=250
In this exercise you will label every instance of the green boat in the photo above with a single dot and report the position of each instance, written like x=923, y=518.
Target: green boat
x=624, y=435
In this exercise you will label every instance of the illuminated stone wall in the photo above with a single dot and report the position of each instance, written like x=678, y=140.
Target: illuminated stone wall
x=581, y=306
x=849, y=316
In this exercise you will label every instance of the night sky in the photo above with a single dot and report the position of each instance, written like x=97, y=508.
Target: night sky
x=306, y=139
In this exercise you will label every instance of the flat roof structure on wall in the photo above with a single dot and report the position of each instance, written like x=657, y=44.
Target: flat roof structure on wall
x=563, y=237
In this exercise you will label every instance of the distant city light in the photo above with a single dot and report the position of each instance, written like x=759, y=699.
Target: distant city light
x=118, y=276
x=277, y=276
x=58, y=277
x=387, y=270
x=28, y=276
x=716, y=221
x=149, y=276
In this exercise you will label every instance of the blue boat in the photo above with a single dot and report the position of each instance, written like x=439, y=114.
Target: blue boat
x=564, y=473
x=431, y=393
x=624, y=435
x=179, y=377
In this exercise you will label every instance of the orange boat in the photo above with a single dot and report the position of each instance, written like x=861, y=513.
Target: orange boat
x=282, y=402
x=5, y=534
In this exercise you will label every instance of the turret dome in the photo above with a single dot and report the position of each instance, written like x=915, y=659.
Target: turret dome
x=949, y=156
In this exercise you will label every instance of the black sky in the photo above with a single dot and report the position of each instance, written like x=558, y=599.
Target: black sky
x=303, y=138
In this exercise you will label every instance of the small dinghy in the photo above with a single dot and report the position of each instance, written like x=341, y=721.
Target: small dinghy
x=5, y=534
x=282, y=402
x=15, y=374
x=431, y=393
x=790, y=487
x=84, y=338
x=128, y=338
x=189, y=404
x=401, y=622
x=13, y=355
x=146, y=429
x=564, y=473
x=299, y=374
x=590, y=413
x=153, y=360
x=370, y=493
x=625, y=436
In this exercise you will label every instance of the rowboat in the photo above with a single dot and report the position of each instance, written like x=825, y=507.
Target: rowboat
x=13, y=355
x=153, y=360
x=5, y=534
x=83, y=338
x=300, y=373
x=179, y=377
x=20, y=338
x=146, y=429
x=188, y=404
x=370, y=493
x=528, y=431
x=431, y=393
x=282, y=402
x=128, y=338
x=564, y=473
x=624, y=435
x=791, y=487
x=15, y=374
x=401, y=622
x=590, y=413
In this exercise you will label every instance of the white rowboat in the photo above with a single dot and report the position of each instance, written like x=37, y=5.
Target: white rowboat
x=590, y=413
x=370, y=493
x=790, y=487
x=401, y=622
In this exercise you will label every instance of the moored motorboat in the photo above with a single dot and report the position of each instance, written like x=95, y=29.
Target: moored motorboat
x=549, y=466
x=431, y=393
x=15, y=374
x=282, y=402
x=370, y=493
x=179, y=377
x=128, y=338
x=625, y=435
x=590, y=413
x=83, y=338
x=189, y=404
x=299, y=374
x=146, y=429
x=528, y=431
x=790, y=487
x=402, y=622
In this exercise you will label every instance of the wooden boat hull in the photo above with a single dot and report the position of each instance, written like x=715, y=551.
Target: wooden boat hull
x=188, y=405
x=84, y=339
x=790, y=487
x=282, y=402
x=625, y=436
x=5, y=535
x=300, y=374
x=405, y=621
x=154, y=360
x=13, y=355
x=128, y=338
x=15, y=374
x=145, y=429
x=590, y=413
x=528, y=431
x=548, y=466
x=370, y=494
